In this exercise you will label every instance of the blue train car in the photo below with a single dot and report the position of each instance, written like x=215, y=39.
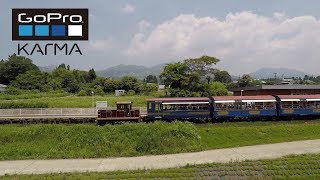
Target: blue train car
x=178, y=108
x=298, y=105
x=240, y=107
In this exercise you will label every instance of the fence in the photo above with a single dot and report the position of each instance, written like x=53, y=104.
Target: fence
x=53, y=112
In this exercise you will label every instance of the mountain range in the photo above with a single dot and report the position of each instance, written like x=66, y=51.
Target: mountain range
x=264, y=73
x=142, y=71
x=138, y=71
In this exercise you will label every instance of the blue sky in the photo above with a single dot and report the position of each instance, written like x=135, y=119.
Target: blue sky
x=245, y=35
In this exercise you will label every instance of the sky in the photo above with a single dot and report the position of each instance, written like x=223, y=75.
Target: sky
x=245, y=35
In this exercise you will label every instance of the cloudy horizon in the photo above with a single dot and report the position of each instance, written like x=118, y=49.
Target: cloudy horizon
x=244, y=36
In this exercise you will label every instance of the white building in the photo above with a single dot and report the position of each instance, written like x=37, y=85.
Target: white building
x=3, y=87
x=119, y=92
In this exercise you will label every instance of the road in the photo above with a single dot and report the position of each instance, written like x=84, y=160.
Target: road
x=268, y=151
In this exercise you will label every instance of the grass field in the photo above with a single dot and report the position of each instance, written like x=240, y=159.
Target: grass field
x=90, y=141
x=73, y=101
x=291, y=167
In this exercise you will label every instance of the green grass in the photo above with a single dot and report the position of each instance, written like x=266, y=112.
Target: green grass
x=291, y=167
x=235, y=134
x=32, y=95
x=75, y=101
x=90, y=141
x=135, y=139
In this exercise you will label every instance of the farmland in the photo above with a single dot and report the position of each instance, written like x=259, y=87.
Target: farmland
x=63, y=101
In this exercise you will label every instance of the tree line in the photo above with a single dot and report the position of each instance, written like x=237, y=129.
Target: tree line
x=190, y=77
x=19, y=72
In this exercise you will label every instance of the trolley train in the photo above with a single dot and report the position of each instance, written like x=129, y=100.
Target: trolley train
x=218, y=108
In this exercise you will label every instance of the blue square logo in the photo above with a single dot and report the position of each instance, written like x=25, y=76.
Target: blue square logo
x=58, y=30
x=42, y=30
x=25, y=30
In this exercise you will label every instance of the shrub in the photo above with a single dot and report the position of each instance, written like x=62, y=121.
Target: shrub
x=82, y=93
x=162, y=137
x=131, y=93
x=12, y=91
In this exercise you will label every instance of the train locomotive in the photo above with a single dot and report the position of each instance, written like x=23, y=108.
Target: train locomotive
x=223, y=108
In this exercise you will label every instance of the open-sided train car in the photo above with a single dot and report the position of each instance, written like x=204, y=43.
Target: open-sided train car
x=240, y=107
x=178, y=108
x=298, y=105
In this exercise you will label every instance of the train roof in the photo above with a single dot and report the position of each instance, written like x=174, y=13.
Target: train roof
x=299, y=97
x=179, y=99
x=230, y=99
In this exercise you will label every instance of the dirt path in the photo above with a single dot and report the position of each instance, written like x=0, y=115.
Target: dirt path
x=268, y=151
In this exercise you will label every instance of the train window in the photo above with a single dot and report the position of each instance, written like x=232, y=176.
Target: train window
x=157, y=107
x=269, y=105
x=185, y=107
x=313, y=104
x=149, y=106
x=293, y=105
x=167, y=107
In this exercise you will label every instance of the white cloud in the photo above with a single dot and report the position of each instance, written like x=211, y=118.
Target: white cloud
x=144, y=25
x=103, y=45
x=127, y=9
x=243, y=41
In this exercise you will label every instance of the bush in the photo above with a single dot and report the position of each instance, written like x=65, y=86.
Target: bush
x=82, y=93
x=131, y=93
x=12, y=91
x=167, y=138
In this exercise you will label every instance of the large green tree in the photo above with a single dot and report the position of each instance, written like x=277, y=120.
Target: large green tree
x=202, y=65
x=245, y=80
x=222, y=76
x=33, y=79
x=175, y=74
x=14, y=66
x=191, y=77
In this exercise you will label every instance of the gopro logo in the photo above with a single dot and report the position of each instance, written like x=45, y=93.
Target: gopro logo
x=50, y=24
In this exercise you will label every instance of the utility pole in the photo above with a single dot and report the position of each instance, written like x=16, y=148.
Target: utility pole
x=92, y=93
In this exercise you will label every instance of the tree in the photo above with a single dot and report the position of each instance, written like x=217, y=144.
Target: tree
x=14, y=66
x=202, y=65
x=222, y=76
x=190, y=77
x=69, y=83
x=174, y=74
x=62, y=66
x=33, y=79
x=218, y=89
x=245, y=80
x=151, y=79
x=148, y=88
x=130, y=83
x=92, y=75
x=110, y=85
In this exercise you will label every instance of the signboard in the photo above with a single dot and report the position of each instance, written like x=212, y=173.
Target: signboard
x=101, y=104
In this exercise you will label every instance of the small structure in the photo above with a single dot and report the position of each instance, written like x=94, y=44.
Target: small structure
x=3, y=87
x=288, y=81
x=119, y=92
x=296, y=89
x=162, y=87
